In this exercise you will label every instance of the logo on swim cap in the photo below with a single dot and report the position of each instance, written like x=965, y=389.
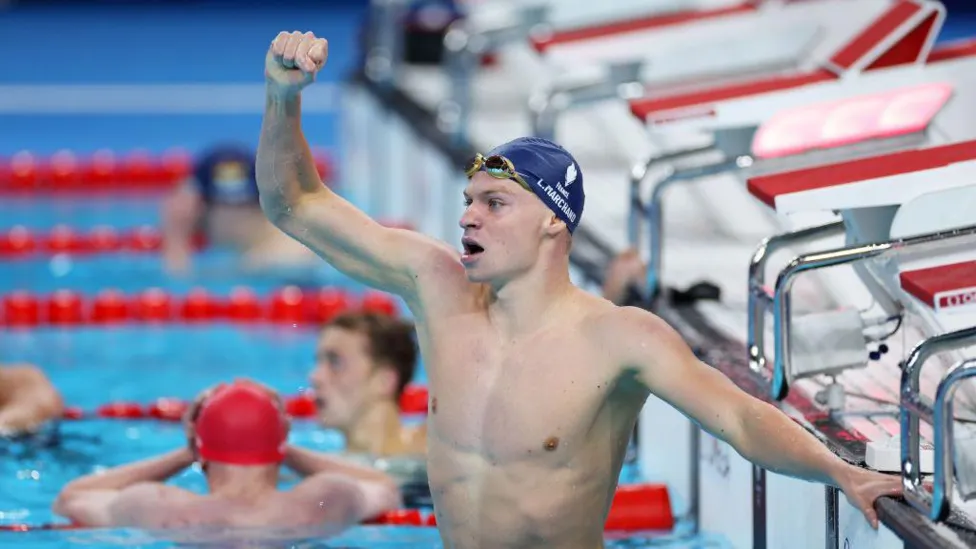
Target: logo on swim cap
x=557, y=178
x=225, y=175
x=231, y=182
x=571, y=174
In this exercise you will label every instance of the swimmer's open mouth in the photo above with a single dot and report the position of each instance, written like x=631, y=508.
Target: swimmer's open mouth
x=471, y=248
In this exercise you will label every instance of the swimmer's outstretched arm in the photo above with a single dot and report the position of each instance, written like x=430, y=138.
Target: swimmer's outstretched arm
x=110, y=498
x=294, y=198
x=758, y=431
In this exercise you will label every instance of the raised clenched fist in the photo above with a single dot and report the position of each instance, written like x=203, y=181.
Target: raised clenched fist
x=293, y=60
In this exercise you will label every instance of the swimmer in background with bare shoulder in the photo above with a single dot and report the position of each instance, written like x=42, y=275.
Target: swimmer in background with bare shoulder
x=538, y=383
x=363, y=363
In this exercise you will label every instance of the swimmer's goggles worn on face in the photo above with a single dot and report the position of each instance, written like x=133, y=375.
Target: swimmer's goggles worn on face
x=496, y=166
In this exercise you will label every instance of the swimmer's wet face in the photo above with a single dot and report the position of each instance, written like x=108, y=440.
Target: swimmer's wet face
x=521, y=193
x=342, y=376
x=504, y=226
x=347, y=379
x=362, y=359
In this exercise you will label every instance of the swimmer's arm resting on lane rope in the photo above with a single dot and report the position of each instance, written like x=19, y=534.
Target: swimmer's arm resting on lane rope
x=661, y=360
x=356, y=492
x=294, y=198
x=117, y=496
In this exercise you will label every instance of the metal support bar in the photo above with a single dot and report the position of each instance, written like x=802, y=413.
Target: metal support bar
x=784, y=283
x=655, y=208
x=546, y=106
x=383, y=54
x=937, y=506
x=463, y=48
x=915, y=408
x=759, y=297
x=637, y=175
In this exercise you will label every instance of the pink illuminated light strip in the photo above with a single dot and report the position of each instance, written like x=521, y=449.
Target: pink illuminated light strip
x=849, y=121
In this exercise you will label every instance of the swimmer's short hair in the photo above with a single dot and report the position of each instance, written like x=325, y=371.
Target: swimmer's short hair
x=391, y=341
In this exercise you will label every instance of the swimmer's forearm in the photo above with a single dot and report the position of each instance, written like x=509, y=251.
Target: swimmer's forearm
x=154, y=469
x=775, y=442
x=307, y=463
x=285, y=168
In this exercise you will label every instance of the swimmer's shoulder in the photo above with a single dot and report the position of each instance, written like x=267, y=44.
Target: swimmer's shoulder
x=20, y=372
x=14, y=377
x=619, y=328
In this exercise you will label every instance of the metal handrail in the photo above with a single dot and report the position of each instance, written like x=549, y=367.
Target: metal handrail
x=637, y=175
x=383, y=54
x=546, y=106
x=759, y=297
x=784, y=283
x=940, y=414
x=914, y=406
x=462, y=50
x=653, y=211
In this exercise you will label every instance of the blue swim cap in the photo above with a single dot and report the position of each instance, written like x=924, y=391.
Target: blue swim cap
x=551, y=173
x=226, y=175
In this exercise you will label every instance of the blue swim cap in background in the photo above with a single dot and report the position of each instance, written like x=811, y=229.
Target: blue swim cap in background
x=226, y=175
x=552, y=174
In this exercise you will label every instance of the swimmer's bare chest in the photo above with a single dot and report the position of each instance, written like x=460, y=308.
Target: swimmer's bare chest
x=509, y=400
x=524, y=435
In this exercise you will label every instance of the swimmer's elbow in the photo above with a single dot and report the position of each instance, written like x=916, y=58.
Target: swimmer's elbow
x=49, y=403
x=378, y=497
x=62, y=504
x=293, y=212
x=76, y=507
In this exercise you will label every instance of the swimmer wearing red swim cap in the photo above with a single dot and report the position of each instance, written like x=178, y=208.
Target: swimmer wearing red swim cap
x=535, y=383
x=241, y=424
x=238, y=432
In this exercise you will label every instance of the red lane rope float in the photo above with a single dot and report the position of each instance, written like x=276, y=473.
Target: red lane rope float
x=289, y=304
x=18, y=242
x=635, y=508
x=413, y=401
x=38, y=527
x=105, y=170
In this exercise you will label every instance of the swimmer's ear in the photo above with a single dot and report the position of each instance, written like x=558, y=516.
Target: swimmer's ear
x=554, y=226
x=384, y=382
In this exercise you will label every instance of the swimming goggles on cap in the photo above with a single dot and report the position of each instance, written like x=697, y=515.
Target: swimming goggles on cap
x=496, y=166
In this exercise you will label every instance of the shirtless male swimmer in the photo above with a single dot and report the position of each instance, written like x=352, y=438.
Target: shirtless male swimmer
x=535, y=385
